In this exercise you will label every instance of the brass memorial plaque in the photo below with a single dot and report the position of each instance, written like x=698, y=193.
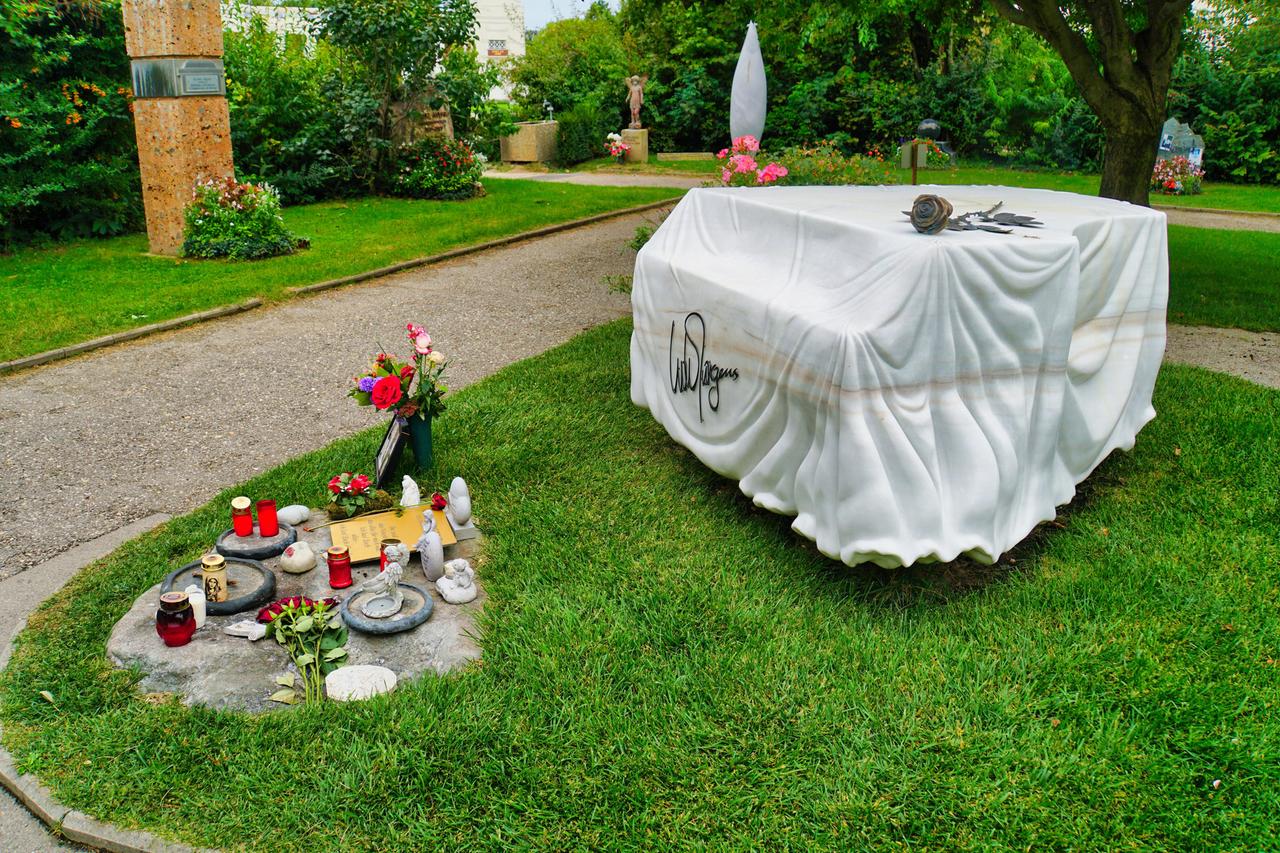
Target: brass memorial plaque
x=363, y=534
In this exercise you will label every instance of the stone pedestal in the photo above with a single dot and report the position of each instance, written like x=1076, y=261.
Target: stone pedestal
x=182, y=125
x=638, y=139
x=533, y=142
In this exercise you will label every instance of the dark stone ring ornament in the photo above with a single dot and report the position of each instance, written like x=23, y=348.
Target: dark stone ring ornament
x=930, y=214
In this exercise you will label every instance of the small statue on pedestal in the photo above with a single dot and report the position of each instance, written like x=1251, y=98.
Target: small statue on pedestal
x=458, y=584
x=635, y=98
x=412, y=495
x=430, y=549
x=387, y=598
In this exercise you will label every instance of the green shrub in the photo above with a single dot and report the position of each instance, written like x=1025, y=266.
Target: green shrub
x=581, y=132
x=824, y=164
x=68, y=159
x=439, y=167
x=239, y=221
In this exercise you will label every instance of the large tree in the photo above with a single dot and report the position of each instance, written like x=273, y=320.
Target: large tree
x=1121, y=55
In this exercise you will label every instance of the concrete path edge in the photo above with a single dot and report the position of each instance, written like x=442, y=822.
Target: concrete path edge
x=227, y=310
x=65, y=822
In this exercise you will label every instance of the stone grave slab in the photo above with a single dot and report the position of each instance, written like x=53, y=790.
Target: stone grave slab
x=233, y=673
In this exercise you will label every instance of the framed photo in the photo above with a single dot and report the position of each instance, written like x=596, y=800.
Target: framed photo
x=384, y=464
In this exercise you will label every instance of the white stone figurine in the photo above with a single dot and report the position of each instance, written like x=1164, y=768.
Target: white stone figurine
x=459, y=509
x=294, y=514
x=298, y=558
x=430, y=550
x=458, y=584
x=387, y=598
x=412, y=494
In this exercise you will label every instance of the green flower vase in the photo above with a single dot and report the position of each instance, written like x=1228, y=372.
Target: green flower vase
x=420, y=438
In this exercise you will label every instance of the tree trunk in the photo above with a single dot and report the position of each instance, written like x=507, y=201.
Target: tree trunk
x=1128, y=157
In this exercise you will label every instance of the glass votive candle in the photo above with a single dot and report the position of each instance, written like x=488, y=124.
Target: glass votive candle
x=175, y=620
x=339, y=567
x=198, y=604
x=268, y=524
x=241, y=516
x=213, y=573
x=382, y=551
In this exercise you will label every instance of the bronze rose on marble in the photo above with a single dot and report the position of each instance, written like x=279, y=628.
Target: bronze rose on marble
x=930, y=214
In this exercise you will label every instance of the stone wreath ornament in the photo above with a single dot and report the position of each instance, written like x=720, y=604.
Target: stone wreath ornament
x=931, y=214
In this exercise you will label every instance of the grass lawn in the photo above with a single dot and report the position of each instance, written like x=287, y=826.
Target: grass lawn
x=1224, y=278
x=71, y=293
x=666, y=665
x=1247, y=197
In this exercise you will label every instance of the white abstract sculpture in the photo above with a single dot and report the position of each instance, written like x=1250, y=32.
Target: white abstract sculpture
x=430, y=550
x=387, y=598
x=459, y=509
x=748, y=98
x=458, y=584
x=298, y=558
x=412, y=494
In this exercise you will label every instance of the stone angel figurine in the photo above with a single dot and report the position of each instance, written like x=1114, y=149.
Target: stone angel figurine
x=430, y=549
x=635, y=97
x=458, y=584
x=385, y=586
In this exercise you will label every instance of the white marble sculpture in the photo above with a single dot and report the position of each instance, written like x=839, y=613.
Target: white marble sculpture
x=298, y=558
x=412, y=494
x=430, y=549
x=459, y=510
x=749, y=97
x=294, y=514
x=387, y=599
x=458, y=584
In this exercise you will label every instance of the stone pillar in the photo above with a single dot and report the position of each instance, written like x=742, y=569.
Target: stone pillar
x=638, y=139
x=180, y=107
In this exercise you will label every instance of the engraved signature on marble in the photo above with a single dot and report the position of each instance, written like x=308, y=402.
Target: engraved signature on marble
x=692, y=370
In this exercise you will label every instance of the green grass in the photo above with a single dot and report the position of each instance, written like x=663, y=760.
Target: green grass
x=665, y=665
x=71, y=293
x=1247, y=197
x=1224, y=278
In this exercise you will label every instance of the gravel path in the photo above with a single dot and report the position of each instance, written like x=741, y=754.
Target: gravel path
x=164, y=424
x=1250, y=355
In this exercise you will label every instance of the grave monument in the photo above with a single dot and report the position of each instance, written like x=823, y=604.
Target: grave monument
x=180, y=107
x=635, y=136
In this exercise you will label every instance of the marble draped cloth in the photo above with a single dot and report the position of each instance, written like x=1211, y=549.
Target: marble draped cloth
x=906, y=397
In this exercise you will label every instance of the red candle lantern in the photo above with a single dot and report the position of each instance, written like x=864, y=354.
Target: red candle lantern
x=382, y=552
x=339, y=567
x=241, y=516
x=175, y=620
x=268, y=524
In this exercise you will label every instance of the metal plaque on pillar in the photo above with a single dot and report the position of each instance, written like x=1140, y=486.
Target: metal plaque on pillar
x=178, y=78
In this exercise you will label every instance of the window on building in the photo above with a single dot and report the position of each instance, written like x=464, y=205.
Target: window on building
x=497, y=47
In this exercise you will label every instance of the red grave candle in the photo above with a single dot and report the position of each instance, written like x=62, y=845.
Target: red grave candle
x=268, y=525
x=241, y=516
x=339, y=567
x=382, y=552
x=175, y=620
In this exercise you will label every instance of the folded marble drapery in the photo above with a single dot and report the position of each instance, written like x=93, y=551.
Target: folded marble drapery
x=905, y=397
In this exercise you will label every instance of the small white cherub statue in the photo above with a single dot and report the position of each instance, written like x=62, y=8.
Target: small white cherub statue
x=412, y=494
x=458, y=584
x=430, y=550
x=459, y=509
x=387, y=598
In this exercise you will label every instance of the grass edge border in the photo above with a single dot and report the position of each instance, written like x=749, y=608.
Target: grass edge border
x=60, y=353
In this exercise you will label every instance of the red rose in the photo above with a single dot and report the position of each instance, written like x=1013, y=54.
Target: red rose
x=386, y=392
x=438, y=502
x=406, y=372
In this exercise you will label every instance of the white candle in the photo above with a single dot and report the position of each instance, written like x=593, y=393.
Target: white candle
x=196, y=596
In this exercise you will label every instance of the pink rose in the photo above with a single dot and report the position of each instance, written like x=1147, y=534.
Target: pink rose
x=422, y=343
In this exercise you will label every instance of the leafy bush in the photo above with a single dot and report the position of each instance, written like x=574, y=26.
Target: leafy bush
x=1176, y=176
x=824, y=164
x=441, y=168
x=580, y=131
x=68, y=159
x=569, y=63
x=242, y=222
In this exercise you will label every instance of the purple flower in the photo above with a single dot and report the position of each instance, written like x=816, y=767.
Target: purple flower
x=366, y=383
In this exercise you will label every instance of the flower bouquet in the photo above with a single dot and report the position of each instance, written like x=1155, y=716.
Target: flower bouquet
x=616, y=147
x=354, y=494
x=411, y=390
x=316, y=638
